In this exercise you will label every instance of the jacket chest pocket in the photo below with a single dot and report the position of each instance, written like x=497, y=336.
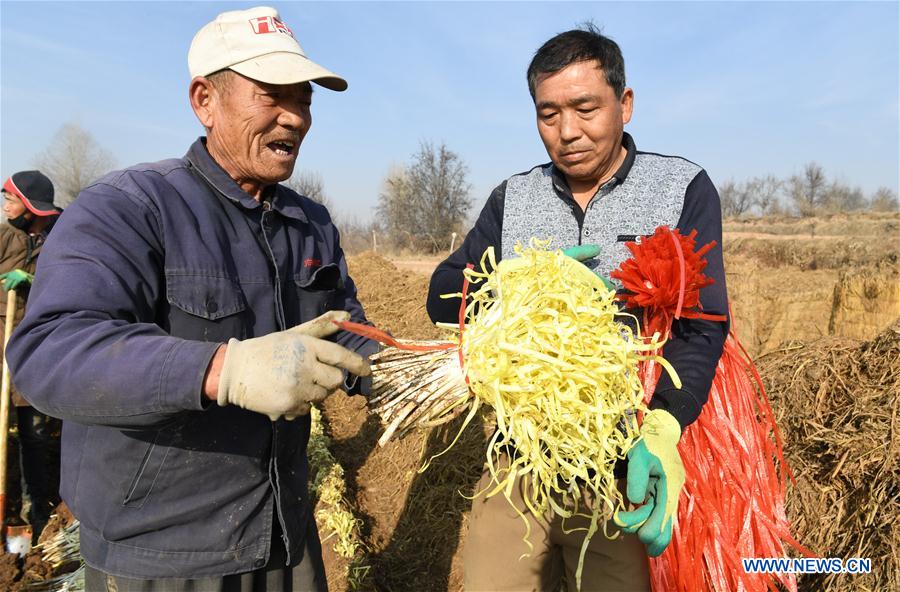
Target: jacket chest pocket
x=319, y=292
x=205, y=308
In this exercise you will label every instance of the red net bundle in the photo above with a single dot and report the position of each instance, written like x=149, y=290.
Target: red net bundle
x=732, y=505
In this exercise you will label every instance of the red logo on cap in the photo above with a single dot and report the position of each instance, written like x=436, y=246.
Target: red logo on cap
x=269, y=24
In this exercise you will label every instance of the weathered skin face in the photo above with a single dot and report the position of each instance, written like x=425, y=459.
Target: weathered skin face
x=580, y=120
x=254, y=129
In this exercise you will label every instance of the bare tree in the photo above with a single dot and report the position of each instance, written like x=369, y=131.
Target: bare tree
x=764, y=192
x=73, y=160
x=356, y=234
x=423, y=203
x=843, y=198
x=728, y=196
x=884, y=200
x=808, y=191
x=398, y=206
x=736, y=199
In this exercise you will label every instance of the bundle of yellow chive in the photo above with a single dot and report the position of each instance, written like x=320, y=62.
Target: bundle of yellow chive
x=546, y=347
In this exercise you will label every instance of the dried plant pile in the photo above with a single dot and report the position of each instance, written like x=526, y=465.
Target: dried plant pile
x=841, y=424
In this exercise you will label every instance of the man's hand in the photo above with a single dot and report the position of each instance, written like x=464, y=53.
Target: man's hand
x=13, y=280
x=283, y=373
x=584, y=252
x=654, y=469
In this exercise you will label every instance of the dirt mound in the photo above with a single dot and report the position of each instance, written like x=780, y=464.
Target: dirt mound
x=839, y=413
x=770, y=308
x=394, y=300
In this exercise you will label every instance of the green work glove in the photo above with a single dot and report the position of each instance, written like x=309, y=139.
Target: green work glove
x=13, y=280
x=583, y=253
x=654, y=470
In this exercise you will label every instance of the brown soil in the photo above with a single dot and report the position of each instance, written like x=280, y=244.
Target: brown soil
x=18, y=573
x=412, y=523
x=422, y=266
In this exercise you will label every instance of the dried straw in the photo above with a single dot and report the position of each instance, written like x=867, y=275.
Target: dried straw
x=840, y=421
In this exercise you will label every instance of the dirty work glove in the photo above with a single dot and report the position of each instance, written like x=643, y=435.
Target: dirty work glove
x=584, y=252
x=15, y=279
x=283, y=373
x=654, y=469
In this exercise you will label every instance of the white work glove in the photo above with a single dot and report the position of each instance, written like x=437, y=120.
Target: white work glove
x=283, y=373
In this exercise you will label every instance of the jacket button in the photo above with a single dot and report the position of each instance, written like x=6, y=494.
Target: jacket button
x=212, y=305
x=260, y=562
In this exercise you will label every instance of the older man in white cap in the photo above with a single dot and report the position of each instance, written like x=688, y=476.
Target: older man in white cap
x=194, y=334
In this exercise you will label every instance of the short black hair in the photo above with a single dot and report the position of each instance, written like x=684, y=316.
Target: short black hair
x=579, y=45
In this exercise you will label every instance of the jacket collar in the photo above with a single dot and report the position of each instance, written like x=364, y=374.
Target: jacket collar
x=283, y=200
x=559, y=180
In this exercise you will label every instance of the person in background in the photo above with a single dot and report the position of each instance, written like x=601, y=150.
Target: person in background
x=30, y=215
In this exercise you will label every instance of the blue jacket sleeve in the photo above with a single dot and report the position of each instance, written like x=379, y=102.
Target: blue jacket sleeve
x=447, y=278
x=88, y=349
x=696, y=345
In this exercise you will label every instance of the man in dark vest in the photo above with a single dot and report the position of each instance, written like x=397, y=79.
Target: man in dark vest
x=599, y=191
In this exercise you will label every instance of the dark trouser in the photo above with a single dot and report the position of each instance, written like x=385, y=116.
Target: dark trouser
x=34, y=448
x=493, y=558
x=307, y=574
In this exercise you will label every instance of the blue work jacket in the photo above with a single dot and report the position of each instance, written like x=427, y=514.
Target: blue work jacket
x=146, y=274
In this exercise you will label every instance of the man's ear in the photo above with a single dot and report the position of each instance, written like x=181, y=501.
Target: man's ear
x=627, y=105
x=202, y=95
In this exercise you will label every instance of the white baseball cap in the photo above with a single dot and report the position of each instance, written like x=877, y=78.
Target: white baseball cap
x=257, y=44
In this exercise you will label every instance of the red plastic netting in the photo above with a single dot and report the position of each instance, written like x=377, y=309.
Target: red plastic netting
x=732, y=505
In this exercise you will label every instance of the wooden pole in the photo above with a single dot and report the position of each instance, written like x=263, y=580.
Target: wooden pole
x=374, y=242
x=4, y=405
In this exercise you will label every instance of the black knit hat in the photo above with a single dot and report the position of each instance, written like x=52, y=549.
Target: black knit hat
x=35, y=190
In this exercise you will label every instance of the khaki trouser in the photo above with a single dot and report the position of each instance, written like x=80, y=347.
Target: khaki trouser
x=494, y=545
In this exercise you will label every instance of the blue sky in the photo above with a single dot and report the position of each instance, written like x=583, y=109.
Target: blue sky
x=743, y=89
